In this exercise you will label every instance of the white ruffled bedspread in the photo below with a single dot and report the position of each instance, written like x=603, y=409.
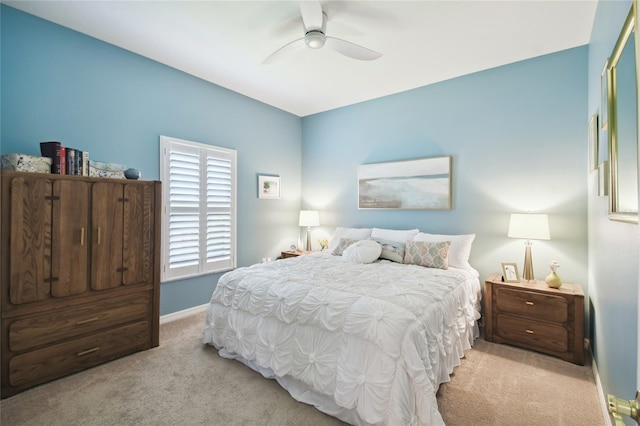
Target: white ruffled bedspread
x=377, y=339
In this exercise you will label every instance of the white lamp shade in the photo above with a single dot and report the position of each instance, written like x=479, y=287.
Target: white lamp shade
x=309, y=218
x=528, y=226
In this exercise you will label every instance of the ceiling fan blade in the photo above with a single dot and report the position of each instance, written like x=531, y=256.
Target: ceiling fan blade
x=285, y=50
x=311, y=12
x=351, y=50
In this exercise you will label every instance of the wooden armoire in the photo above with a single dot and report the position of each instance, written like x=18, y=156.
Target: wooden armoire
x=80, y=274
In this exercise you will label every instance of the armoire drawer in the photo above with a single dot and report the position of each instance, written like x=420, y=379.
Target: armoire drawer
x=45, y=364
x=546, y=307
x=59, y=324
x=544, y=336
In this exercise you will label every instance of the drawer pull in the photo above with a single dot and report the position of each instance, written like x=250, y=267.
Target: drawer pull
x=530, y=331
x=99, y=234
x=88, y=351
x=87, y=320
x=529, y=303
x=82, y=236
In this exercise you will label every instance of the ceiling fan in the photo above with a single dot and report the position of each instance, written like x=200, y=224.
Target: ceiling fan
x=314, y=22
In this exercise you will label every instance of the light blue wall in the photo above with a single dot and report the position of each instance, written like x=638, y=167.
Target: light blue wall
x=614, y=247
x=517, y=137
x=58, y=84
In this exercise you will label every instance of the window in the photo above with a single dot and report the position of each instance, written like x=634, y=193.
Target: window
x=199, y=208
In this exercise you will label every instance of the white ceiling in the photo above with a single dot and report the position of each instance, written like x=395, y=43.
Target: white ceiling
x=422, y=42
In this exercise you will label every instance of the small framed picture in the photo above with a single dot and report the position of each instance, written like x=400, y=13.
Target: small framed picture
x=603, y=179
x=268, y=186
x=593, y=143
x=510, y=272
x=604, y=96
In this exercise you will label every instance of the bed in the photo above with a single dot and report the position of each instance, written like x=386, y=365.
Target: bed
x=367, y=342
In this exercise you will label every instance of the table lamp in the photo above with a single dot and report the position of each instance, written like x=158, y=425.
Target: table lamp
x=529, y=227
x=309, y=218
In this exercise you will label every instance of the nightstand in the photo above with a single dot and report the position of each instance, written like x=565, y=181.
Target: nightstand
x=292, y=253
x=535, y=316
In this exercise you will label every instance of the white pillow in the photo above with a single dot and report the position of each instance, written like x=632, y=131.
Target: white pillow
x=460, y=248
x=363, y=251
x=348, y=234
x=394, y=235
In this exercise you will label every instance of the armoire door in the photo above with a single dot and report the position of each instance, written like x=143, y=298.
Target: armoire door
x=70, y=228
x=49, y=225
x=122, y=222
x=106, y=225
x=137, y=237
x=30, y=249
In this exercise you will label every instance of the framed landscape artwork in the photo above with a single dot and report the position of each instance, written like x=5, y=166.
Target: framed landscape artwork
x=422, y=184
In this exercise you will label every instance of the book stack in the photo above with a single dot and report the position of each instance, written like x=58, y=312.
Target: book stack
x=66, y=160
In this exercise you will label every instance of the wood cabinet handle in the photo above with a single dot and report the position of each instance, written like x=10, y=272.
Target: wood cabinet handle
x=529, y=303
x=530, y=331
x=88, y=320
x=88, y=351
x=82, y=236
x=99, y=234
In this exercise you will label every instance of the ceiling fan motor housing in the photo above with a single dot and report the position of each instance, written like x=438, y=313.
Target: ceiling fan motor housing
x=315, y=39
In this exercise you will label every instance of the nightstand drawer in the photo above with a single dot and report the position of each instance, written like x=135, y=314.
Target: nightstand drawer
x=537, y=334
x=531, y=304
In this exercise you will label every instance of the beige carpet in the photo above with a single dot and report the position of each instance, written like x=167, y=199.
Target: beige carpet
x=183, y=382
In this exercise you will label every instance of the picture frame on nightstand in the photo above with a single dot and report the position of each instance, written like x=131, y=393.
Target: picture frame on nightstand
x=510, y=272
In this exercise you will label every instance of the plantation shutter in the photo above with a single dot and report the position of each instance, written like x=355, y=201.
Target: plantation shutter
x=219, y=209
x=199, y=212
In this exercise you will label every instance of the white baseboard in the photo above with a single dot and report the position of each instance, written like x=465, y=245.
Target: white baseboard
x=184, y=313
x=604, y=405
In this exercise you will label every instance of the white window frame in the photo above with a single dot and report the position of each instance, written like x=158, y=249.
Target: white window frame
x=202, y=152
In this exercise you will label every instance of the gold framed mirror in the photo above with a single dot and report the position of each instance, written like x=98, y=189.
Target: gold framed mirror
x=623, y=125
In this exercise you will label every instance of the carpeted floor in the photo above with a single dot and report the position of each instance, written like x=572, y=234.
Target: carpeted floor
x=183, y=382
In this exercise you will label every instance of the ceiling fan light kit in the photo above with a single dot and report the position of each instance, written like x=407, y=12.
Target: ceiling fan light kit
x=314, y=21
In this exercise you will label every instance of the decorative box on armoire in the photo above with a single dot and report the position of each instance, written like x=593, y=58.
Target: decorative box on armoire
x=80, y=274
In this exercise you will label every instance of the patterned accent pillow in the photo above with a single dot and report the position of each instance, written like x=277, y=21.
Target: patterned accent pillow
x=458, y=252
x=429, y=254
x=342, y=245
x=391, y=250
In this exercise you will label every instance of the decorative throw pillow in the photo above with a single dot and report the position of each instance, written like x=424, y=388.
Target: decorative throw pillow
x=424, y=253
x=391, y=250
x=459, y=251
x=342, y=246
x=364, y=251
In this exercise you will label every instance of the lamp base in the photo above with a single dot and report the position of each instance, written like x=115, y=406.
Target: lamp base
x=527, y=274
x=308, y=248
